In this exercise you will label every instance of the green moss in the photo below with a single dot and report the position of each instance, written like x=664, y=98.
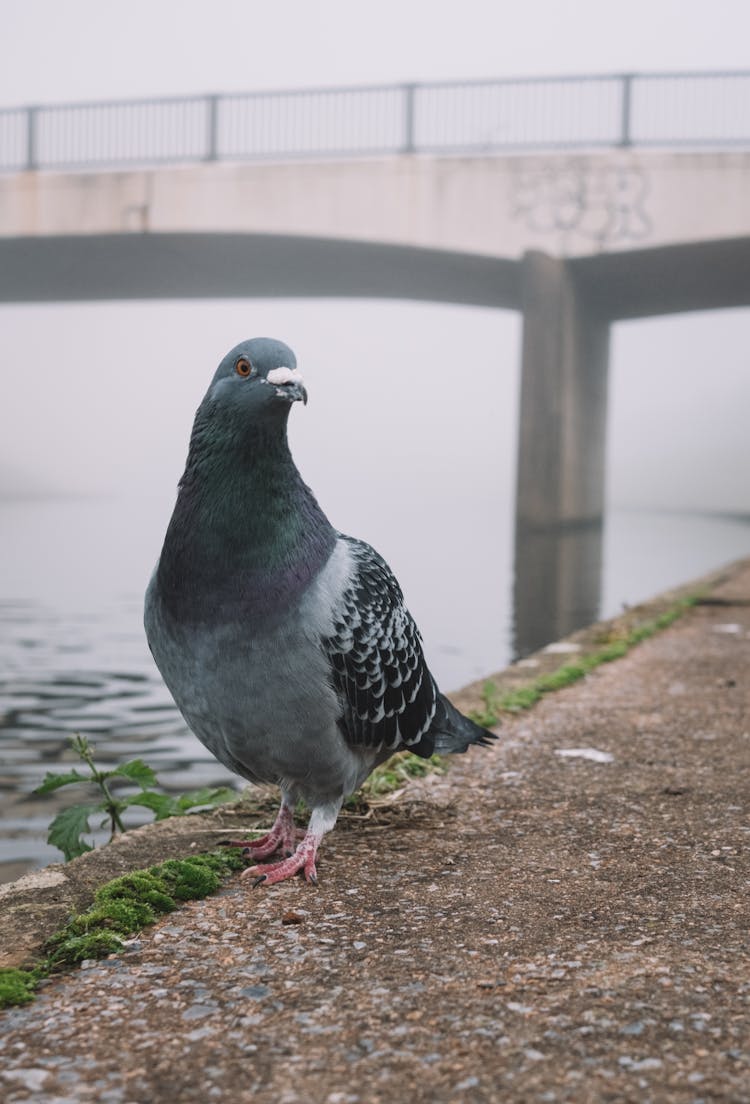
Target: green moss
x=123, y=916
x=72, y=949
x=119, y=909
x=615, y=644
x=225, y=861
x=563, y=676
x=522, y=698
x=187, y=879
x=612, y=651
x=143, y=886
x=16, y=986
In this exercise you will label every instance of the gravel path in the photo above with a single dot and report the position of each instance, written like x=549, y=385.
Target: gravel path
x=531, y=927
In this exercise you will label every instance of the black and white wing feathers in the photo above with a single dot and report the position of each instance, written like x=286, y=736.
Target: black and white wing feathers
x=389, y=698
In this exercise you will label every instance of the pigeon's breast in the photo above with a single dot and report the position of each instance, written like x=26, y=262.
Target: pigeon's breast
x=259, y=695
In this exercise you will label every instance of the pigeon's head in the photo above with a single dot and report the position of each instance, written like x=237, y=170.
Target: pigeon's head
x=257, y=379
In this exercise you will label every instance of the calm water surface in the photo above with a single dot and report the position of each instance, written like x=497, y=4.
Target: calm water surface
x=73, y=657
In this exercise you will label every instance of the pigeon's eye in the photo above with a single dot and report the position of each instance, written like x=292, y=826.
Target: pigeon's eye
x=243, y=367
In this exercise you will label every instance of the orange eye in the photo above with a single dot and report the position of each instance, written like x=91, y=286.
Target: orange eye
x=243, y=367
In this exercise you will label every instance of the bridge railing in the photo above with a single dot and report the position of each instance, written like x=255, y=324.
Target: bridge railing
x=689, y=110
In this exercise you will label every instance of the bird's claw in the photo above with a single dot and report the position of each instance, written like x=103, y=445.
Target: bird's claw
x=246, y=845
x=302, y=861
x=282, y=837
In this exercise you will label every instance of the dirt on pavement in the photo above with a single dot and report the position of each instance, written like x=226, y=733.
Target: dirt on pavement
x=531, y=926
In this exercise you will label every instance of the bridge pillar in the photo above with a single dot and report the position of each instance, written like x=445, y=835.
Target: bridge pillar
x=563, y=400
x=561, y=455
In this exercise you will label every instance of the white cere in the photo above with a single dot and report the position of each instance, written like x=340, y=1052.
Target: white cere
x=284, y=375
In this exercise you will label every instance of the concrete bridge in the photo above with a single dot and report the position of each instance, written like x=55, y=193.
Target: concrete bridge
x=605, y=228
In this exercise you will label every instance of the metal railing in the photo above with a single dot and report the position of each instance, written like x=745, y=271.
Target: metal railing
x=687, y=110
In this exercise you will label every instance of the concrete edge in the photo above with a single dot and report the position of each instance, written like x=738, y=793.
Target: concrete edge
x=591, y=638
x=37, y=904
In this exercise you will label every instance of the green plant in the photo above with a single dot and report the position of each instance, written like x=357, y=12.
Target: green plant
x=389, y=777
x=17, y=986
x=69, y=826
x=613, y=647
x=120, y=908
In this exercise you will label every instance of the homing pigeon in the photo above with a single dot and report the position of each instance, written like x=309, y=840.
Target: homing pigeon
x=286, y=645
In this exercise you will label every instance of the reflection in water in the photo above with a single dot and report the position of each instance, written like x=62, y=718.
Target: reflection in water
x=557, y=584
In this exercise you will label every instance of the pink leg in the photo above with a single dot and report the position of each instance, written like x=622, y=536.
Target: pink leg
x=282, y=837
x=303, y=859
x=322, y=820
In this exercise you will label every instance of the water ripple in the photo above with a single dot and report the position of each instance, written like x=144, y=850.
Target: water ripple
x=88, y=674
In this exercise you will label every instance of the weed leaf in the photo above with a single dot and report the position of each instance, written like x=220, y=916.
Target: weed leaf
x=161, y=804
x=137, y=771
x=205, y=796
x=66, y=829
x=55, y=781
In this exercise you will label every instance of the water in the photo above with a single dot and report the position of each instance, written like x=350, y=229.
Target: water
x=73, y=657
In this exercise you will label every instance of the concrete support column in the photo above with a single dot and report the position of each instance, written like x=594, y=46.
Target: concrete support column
x=562, y=421
x=561, y=455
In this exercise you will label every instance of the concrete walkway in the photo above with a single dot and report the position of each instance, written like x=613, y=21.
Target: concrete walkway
x=531, y=927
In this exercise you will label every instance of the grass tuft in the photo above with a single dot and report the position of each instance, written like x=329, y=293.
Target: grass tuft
x=392, y=776
x=613, y=647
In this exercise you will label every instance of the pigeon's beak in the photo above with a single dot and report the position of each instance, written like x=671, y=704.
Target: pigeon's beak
x=296, y=391
x=288, y=383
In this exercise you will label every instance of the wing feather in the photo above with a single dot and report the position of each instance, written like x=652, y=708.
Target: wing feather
x=388, y=695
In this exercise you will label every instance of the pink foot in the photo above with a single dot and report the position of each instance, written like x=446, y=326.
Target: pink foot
x=303, y=859
x=282, y=837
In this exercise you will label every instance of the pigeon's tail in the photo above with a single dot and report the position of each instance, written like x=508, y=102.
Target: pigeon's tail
x=453, y=733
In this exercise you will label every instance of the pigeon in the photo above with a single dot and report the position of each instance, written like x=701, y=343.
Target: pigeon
x=285, y=644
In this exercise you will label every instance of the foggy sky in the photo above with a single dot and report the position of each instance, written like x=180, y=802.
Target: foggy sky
x=86, y=49
x=99, y=398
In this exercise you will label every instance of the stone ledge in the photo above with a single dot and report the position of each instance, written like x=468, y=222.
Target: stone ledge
x=40, y=902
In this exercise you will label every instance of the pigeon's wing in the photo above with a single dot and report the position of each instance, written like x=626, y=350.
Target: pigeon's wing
x=388, y=695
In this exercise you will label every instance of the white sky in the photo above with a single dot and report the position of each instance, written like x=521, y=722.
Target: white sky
x=100, y=397
x=81, y=49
